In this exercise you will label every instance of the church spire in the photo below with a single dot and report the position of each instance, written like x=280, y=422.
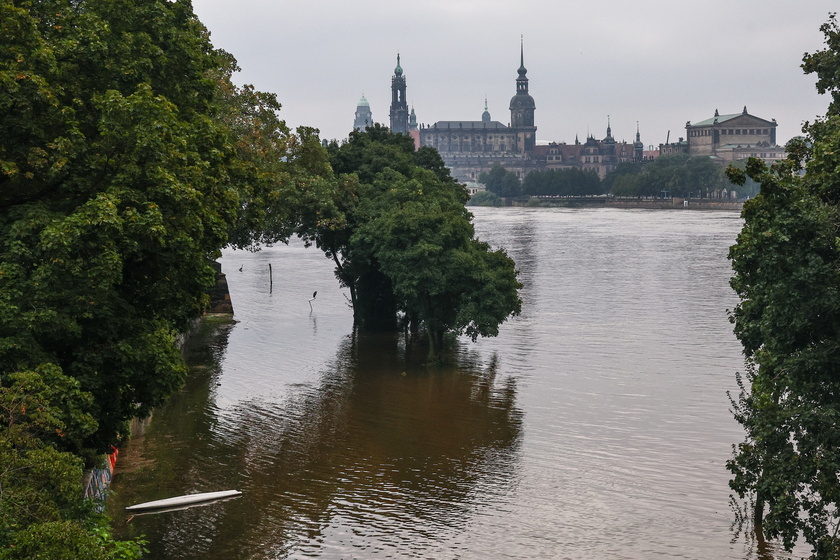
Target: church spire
x=399, y=106
x=398, y=70
x=522, y=108
x=638, y=146
x=522, y=69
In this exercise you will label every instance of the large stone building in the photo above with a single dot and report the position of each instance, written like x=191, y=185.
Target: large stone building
x=472, y=147
x=600, y=156
x=727, y=138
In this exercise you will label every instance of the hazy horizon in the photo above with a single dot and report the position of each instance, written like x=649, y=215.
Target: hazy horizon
x=657, y=63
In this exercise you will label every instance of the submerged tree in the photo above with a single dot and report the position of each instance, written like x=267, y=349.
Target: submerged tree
x=128, y=159
x=787, y=273
x=404, y=244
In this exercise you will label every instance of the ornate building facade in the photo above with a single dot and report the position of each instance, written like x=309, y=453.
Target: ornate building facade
x=727, y=138
x=600, y=156
x=471, y=147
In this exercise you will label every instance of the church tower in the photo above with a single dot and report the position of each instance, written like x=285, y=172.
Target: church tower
x=364, y=117
x=399, y=106
x=522, y=109
x=638, y=146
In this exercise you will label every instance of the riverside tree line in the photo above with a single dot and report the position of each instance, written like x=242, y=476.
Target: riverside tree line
x=680, y=175
x=128, y=159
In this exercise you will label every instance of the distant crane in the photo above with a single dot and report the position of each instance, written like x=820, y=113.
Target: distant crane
x=315, y=293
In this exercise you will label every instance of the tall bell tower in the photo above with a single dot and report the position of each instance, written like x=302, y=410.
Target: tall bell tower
x=399, y=106
x=522, y=108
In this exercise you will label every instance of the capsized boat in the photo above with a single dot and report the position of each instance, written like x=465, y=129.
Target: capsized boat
x=184, y=500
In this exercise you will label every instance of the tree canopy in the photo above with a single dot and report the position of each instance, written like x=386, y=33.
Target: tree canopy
x=562, y=182
x=501, y=181
x=786, y=264
x=128, y=159
x=679, y=174
x=404, y=244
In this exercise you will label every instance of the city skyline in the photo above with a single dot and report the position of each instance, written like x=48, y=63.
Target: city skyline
x=650, y=62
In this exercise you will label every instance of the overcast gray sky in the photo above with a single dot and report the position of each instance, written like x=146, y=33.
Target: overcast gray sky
x=660, y=63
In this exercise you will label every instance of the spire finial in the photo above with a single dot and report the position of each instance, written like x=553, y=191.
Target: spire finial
x=398, y=70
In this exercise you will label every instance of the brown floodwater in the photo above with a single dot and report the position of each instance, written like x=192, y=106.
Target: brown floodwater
x=596, y=425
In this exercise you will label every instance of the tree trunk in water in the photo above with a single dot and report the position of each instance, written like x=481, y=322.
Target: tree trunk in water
x=350, y=285
x=758, y=522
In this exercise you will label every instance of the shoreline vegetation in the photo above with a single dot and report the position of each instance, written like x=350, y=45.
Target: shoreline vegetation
x=128, y=160
x=604, y=201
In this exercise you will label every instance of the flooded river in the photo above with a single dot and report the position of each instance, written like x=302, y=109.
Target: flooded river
x=595, y=426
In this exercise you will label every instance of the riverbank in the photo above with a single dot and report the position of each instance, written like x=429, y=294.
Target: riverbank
x=648, y=203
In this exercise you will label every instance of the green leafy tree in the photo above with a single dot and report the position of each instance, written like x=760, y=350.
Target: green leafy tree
x=562, y=182
x=679, y=174
x=127, y=160
x=788, y=320
x=484, y=198
x=42, y=512
x=617, y=179
x=404, y=243
x=501, y=181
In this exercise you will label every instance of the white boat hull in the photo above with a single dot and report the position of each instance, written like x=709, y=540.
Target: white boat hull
x=185, y=500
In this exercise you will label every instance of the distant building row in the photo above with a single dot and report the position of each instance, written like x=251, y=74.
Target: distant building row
x=471, y=147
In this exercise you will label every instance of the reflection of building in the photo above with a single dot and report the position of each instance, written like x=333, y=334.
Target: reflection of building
x=727, y=138
x=364, y=117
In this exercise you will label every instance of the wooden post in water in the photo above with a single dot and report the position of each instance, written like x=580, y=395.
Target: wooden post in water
x=270, y=280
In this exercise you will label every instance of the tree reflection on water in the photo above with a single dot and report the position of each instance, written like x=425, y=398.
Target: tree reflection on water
x=378, y=453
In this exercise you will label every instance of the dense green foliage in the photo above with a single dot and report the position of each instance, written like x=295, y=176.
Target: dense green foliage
x=679, y=175
x=127, y=160
x=501, y=181
x=484, y=198
x=41, y=511
x=404, y=243
x=562, y=182
x=786, y=264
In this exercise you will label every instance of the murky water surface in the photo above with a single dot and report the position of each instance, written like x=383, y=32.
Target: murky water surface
x=595, y=426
